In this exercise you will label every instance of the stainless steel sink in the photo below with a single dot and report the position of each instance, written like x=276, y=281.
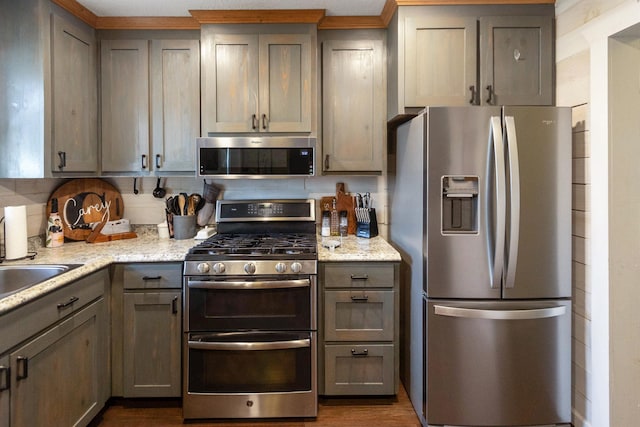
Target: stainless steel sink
x=14, y=278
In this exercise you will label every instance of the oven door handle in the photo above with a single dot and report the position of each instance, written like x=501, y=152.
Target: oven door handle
x=270, y=345
x=262, y=284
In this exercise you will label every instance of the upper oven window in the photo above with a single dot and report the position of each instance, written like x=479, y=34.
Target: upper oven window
x=241, y=304
x=256, y=161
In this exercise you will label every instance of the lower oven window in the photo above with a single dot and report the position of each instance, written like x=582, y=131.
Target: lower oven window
x=250, y=362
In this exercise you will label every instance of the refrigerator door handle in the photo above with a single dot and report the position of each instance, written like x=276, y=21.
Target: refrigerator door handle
x=514, y=196
x=472, y=313
x=495, y=140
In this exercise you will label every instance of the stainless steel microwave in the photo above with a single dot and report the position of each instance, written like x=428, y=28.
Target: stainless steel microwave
x=255, y=157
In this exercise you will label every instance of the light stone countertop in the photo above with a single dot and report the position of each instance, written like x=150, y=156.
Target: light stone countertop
x=147, y=247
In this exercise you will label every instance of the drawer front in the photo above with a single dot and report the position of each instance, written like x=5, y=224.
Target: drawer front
x=45, y=311
x=358, y=275
x=152, y=275
x=358, y=315
x=359, y=369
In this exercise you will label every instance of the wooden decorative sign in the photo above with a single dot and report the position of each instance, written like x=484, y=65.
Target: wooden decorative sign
x=83, y=202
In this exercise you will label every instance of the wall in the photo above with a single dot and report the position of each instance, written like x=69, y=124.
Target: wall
x=145, y=209
x=605, y=253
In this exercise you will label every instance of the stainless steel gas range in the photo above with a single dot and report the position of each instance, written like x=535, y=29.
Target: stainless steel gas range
x=250, y=313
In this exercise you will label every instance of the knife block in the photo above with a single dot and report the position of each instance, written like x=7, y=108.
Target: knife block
x=368, y=229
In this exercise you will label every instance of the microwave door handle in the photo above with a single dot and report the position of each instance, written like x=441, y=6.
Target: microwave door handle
x=266, y=284
x=473, y=313
x=243, y=346
x=514, y=196
x=495, y=142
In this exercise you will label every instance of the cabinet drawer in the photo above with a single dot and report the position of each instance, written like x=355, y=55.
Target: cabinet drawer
x=358, y=315
x=152, y=275
x=359, y=369
x=358, y=275
x=43, y=312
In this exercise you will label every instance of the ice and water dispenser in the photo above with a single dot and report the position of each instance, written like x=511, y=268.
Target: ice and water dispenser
x=459, y=204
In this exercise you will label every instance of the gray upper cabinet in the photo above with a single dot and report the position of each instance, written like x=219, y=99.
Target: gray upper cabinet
x=150, y=105
x=74, y=135
x=125, y=105
x=255, y=82
x=353, y=100
x=440, y=61
x=516, y=60
x=175, y=104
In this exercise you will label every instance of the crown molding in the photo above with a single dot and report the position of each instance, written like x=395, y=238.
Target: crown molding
x=272, y=16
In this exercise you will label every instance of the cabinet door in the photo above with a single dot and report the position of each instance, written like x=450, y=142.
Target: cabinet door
x=230, y=83
x=175, y=104
x=285, y=83
x=5, y=381
x=353, y=100
x=516, y=60
x=152, y=337
x=359, y=315
x=57, y=376
x=440, y=61
x=74, y=135
x=125, y=105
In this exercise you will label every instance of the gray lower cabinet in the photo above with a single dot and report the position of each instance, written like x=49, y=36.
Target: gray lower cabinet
x=353, y=101
x=55, y=365
x=148, y=318
x=359, y=321
x=150, y=105
x=74, y=133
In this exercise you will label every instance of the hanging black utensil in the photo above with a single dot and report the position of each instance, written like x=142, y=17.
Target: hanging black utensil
x=159, y=192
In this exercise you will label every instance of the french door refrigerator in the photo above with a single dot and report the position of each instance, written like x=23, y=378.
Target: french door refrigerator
x=480, y=209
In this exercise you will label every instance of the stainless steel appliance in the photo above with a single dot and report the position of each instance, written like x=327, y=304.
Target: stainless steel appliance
x=251, y=312
x=481, y=213
x=255, y=157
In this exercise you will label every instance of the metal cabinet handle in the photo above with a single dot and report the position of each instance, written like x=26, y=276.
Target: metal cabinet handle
x=5, y=378
x=63, y=159
x=144, y=161
x=363, y=298
x=254, y=122
x=22, y=366
x=359, y=277
x=326, y=162
x=357, y=353
x=472, y=88
x=174, y=305
x=147, y=278
x=264, y=121
x=158, y=161
x=64, y=305
x=490, y=93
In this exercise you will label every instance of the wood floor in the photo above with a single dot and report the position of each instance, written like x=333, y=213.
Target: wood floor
x=333, y=412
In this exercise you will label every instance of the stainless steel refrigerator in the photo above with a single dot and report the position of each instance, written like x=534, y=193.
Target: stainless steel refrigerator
x=480, y=209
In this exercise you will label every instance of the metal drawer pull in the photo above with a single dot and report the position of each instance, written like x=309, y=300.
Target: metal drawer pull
x=536, y=313
x=174, y=305
x=357, y=353
x=145, y=278
x=63, y=305
x=358, y=277
x=268, y=284
x=22, y=365
x=363, y=298
x=4, y=383
x=273, y=345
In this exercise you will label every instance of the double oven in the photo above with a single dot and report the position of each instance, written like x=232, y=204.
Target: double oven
x=250, y=333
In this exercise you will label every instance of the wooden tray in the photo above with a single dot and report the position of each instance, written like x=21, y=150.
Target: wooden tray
x=84, y=201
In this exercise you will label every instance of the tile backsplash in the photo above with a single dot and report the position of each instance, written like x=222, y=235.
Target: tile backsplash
x=143, y=208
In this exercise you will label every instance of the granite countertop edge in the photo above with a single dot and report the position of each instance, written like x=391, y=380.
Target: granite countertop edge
x=148, y=248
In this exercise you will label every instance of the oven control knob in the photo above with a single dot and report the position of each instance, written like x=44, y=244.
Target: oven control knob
x=218, y=268
x=250, y=268
x=296, y=267
x=203, y=267
x=281, y=267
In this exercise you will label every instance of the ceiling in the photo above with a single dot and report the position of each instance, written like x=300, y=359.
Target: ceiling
x=182, y=7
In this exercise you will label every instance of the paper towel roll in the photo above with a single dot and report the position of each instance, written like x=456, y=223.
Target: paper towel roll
x=15, y=231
